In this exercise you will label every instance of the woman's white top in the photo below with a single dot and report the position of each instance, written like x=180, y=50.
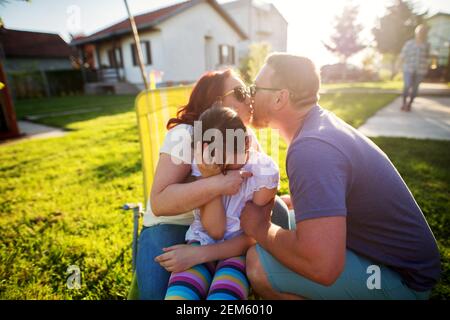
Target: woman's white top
x=178, y=144
x=265, y=175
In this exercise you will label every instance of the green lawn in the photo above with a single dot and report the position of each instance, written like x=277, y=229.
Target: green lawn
x=381, y=85
x=61, y=198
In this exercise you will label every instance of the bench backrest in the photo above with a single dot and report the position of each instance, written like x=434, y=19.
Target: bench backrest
x=154, y=108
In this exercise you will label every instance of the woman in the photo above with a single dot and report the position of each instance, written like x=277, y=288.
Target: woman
x=173, y=196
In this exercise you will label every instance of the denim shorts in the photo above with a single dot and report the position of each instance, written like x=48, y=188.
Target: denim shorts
x=353, y=283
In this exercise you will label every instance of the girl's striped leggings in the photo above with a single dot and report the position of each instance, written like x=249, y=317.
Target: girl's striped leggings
x=224, y=281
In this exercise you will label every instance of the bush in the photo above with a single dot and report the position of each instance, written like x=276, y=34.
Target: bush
x=30, y=84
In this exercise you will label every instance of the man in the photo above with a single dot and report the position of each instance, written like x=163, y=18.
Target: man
x=359, y=232
x=414, y=56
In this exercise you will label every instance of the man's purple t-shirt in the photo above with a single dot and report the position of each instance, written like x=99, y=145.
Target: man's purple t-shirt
x=334, y=170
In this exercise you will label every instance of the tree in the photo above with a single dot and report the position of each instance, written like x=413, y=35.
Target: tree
x=345, y=42
x=4, y=2
x=394, y=29
x=254, y=60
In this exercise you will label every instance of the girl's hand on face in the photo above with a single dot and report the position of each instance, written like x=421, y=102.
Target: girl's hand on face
x=209, y=170
x=205, y=163
x=179, y=258
x=230, y=183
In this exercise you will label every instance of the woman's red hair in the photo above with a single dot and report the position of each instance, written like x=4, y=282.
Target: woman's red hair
x=206, y=92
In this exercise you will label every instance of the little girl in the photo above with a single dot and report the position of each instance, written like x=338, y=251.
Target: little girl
x=219, y=220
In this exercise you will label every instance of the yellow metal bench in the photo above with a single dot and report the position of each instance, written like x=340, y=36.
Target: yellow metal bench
x=153, y=109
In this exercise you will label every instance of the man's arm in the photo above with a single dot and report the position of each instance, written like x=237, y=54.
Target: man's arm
x=402, y=55
x=318, y=181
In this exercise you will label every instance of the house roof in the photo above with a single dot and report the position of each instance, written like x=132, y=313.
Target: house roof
x=28, y=44
x=150, y=19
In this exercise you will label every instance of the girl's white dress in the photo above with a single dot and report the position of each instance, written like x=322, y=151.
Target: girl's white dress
x=265, y=175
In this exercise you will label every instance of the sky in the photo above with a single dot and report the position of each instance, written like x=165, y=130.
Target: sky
x=309, y=21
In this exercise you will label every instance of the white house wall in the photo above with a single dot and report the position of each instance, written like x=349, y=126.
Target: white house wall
x=178, y=47
x=184, y=42
x=133, y=73
x=130, y=72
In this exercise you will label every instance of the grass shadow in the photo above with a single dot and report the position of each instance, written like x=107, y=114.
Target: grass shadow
x=54, y=111
x=117, y=169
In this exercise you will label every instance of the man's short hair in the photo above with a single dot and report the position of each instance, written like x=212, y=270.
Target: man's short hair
x=297, y=74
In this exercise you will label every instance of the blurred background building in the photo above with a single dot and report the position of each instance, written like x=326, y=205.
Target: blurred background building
x=38, y=64
x=439, y=39
x=261, y=21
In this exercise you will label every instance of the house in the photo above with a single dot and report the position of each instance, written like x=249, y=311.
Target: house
x=29, y=55
x=38, y=64
x=439, y=39
x=261, y=21
x=179, y=43
x=26, y=51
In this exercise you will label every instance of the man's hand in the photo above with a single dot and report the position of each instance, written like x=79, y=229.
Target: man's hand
x=255, y=219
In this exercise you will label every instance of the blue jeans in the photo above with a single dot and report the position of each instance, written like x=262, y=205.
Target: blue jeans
x=152, y=279
x=411, y=82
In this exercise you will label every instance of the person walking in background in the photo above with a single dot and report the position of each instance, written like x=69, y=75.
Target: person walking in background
x=414, y=57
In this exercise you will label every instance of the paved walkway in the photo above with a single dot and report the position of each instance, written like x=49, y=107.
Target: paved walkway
x=429, y=119
x=34, y=130
x=30, y=130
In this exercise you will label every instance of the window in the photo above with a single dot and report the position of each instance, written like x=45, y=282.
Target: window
x=115, y=58
x=226, y=54
x=146, y=53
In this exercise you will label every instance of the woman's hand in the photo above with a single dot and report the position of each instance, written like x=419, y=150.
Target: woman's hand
x=180, y=257
x=232, y=181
